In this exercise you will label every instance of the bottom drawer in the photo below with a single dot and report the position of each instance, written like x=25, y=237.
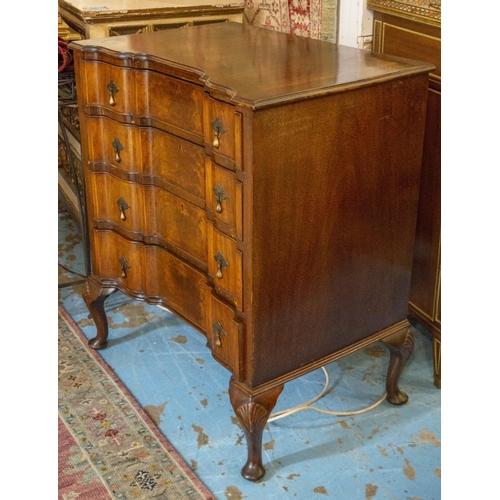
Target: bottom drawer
x=226, y=334
x=153, y=274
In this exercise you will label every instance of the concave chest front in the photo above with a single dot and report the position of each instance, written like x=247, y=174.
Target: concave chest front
x=261, y=186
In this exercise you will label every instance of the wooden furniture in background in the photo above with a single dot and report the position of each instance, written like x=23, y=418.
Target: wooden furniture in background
x=70, y=174
x=65, y=32
x=403, y=29
x=93, y=19
x=263, y=187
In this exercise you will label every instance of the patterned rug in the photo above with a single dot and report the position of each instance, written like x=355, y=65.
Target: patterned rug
x=108, y=446
x=309, y=18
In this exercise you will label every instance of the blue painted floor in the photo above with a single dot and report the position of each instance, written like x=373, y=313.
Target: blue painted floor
x=386, y=453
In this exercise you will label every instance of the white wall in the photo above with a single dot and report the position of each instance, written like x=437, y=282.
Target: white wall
x=355, y=24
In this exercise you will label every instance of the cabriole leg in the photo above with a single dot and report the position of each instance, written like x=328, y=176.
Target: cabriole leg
x=252, y=413
x=400, y=345
x=94, y=295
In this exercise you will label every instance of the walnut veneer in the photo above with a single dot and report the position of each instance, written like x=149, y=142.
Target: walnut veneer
x=263, y=187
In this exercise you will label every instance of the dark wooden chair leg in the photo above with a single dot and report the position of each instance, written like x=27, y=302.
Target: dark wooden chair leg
x=94, y=295
x=252, y=413
x=400, y=345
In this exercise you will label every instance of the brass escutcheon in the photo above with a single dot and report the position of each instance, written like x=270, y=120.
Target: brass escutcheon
x=113, y=89
x=118, y=147
x=219, y=129
x=123, y=206
x=124, y=265
x=219, y=333
x=220, y=196
x=221, y=262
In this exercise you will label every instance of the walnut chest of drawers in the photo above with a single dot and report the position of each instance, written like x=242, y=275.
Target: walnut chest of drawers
x=263, y=187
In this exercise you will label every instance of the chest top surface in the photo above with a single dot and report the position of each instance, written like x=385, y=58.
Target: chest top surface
x=252, y=66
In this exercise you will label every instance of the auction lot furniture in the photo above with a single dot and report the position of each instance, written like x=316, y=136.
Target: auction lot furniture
x=262, y=186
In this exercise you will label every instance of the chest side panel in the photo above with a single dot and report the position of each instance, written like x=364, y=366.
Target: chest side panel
x=334, y=210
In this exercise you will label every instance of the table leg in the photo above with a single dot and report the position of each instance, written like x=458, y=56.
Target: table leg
x=400, y=345
x=252, y=412
x=94, y=295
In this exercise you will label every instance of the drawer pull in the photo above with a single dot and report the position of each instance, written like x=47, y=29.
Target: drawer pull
x=113, y=89
x=219, y=333
x=221, y=262
x=124, y=265
x=123, y=206
x=218, y=129
x=118, y=147
x=220, y=196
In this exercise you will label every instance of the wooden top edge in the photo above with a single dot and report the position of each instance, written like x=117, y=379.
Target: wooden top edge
x=250, y=66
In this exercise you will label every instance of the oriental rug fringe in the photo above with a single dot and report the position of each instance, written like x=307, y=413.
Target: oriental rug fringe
x=108, y=447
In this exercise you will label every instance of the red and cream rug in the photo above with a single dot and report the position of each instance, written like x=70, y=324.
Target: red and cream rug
x=309, y=18
x=108, y=447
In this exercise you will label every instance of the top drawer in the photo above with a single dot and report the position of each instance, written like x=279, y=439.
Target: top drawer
x=223, y=133
x=109, y=86
x=171, y=102
x=165, y=102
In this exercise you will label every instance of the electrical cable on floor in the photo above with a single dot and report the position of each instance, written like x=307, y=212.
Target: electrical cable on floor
x=71, y=283
x=307, y=406
x=67, y=269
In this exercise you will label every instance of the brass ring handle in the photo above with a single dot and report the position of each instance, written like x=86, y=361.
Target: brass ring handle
x=123, y=205
x=113, y=89
x=221, y=263
x=219, y=129
x=125, y=266
x=118, y=147
x=220, y=196
x=219, y=333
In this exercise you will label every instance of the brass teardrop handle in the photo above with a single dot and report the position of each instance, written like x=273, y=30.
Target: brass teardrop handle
x=220, y=196
x=123, y=205
x=113, y=89
x=221, y=263
x=118, y=147
x=219, y=333
x=218, y=129
x=124, y=265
